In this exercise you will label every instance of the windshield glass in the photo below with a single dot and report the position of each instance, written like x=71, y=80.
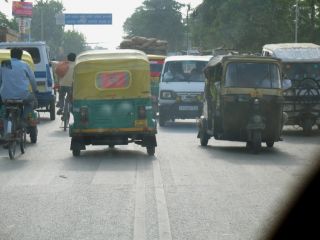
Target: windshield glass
x=252, y=75
x=299, y=71
x=156, y=68
x=184, y=71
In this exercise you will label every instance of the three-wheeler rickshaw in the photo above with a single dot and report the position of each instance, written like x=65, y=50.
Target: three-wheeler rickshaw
x=243, y=101
x=32, y=122
x=301, y=67
x=156, y=64
x=112, y=100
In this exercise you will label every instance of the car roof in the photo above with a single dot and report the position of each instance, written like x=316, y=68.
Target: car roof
x=188, y=58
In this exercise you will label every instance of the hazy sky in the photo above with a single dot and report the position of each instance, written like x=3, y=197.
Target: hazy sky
x=104, y=35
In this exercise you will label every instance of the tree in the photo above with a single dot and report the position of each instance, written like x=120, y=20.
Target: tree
x=249, y=24
x=158, y=19
x=73, y=41
x=5, y=22
x=43, y=24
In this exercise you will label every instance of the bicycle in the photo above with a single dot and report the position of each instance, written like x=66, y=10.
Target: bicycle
x=66, y=110
x=16, y=132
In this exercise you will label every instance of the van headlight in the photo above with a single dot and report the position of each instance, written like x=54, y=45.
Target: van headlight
x=167, y=94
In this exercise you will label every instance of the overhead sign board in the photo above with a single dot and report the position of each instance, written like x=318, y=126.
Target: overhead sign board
x=84, y=19
x=22, y=9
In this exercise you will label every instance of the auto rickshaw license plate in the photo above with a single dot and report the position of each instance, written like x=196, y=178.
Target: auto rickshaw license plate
x=188, y=108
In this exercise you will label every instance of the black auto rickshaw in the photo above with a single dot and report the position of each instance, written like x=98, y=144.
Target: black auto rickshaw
x=243, y=101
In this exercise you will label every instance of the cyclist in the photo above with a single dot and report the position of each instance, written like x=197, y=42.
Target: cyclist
x=15, y=80
x=66, y=81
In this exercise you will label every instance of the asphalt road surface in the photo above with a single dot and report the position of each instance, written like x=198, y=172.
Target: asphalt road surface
x=184, y=192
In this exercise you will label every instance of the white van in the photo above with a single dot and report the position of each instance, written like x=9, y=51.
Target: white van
x=39, y=52
x=181, y=87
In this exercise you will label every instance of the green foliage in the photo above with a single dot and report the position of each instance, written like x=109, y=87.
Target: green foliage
x=43, y=25
x=157, y=19
x=5, y=22
x=73, y=41
x=249, y=24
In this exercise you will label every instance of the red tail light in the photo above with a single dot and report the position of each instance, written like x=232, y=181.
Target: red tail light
x=142, y=114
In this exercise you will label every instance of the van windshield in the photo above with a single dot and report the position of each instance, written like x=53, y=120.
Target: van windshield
x=253, y=75
x=184, y=71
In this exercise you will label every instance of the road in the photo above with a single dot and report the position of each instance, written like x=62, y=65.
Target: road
x=185, y=192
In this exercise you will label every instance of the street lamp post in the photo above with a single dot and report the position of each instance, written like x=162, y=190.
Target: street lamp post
x=188, y=9
x=296, y=22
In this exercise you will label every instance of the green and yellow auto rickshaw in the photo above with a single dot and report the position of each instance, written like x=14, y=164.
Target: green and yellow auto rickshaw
x=243, y=101
x=156, y=64
x=112, y=100
x=31, y=128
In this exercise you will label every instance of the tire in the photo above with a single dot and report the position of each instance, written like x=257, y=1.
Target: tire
x=12, y=149
x=52, y=110
x=76, y=152
x=33, y=134
x=270, y=144
x=22, y=142
x=256, y=141
x=162, y=120
x=66, y=116
x=203, y=138
x=307, y=127
x=151, y=150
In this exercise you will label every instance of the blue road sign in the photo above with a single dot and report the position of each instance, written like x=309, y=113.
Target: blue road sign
x=87, y=19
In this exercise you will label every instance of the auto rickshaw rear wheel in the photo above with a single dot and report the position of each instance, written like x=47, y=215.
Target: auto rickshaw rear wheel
x=151, y=150
x=33, y=134
x=204, y=138
x=307, y=126
x=76, y=152
x=162, y=120
x=270, y=144
x=256, y=141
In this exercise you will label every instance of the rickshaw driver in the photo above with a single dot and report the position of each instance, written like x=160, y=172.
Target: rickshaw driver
x=15, y=79
x=66, y=82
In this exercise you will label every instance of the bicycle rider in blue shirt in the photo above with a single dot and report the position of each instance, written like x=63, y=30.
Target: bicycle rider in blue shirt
x=15, y=79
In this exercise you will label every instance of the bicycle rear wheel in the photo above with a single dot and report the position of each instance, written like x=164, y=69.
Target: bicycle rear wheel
x=12, y=148
x=22, y=141
x=66, y=115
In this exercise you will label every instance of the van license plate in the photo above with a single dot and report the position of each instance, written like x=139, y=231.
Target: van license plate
x=188, y=108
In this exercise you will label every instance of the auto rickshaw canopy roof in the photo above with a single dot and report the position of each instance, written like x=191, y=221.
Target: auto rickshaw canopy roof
x=224, y=59
x=295, y=52
x=111, y=74
x=26, y=57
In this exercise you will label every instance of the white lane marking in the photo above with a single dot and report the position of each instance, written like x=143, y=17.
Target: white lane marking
x=140, y=204
x=162, y=208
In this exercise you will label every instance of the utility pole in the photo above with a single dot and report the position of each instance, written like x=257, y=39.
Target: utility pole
x=188, y=9
x=296, y=21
